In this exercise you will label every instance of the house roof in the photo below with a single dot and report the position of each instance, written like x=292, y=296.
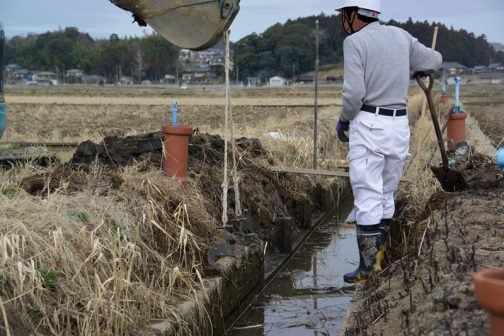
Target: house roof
x=451, y=65
x=94, y=77
x=46, y=73
x=494, y=65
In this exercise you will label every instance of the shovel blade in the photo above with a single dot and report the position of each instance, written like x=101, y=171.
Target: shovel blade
x=451, y=180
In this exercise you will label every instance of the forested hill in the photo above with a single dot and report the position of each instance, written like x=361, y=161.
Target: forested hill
x=285, y=49
x=68, y=48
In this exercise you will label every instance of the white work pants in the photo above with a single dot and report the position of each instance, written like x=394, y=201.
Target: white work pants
x=378, y=148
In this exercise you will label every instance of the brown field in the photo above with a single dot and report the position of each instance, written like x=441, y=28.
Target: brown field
x=486, y=104
x=77, y=114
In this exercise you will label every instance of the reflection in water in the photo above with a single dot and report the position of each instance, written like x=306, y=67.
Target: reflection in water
x=305, y=298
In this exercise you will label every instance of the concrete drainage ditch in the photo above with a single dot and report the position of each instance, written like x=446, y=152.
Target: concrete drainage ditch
x=308, y=295
x=305, y=271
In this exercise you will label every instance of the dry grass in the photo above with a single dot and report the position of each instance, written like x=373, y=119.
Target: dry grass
x=168, y=91
x=416, y=195
x=110, y=261
x=107, y=261
x=486, y=105
x=101, y=261
x=153, y=101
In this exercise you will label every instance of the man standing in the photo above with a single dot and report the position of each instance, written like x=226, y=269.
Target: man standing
x=378, y=60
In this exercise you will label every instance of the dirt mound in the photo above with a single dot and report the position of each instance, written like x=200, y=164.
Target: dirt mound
x=429, y=290
x=120, y=151
x=116, y=150
x=266, y=195
x=480, y=171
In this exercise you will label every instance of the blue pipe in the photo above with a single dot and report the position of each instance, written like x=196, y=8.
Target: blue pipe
x=500, y=158
x=458, y=108
x=174, y=113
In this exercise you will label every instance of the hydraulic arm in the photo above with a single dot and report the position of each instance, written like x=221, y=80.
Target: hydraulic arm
x=190, y=24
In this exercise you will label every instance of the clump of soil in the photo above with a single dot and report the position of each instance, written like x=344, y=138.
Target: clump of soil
x=480, y=171
x=266, y=195
x=429, y=291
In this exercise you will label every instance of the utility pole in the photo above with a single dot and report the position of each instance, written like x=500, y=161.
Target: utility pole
x=315, y=121
x=177, y=75
x=140, y=65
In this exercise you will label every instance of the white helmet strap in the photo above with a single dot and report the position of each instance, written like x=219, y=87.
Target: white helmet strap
x=368, y=13
x=350, y=18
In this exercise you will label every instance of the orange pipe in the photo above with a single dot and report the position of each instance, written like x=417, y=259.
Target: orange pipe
x=176, y=151
x=456, y=130
x=489, y=291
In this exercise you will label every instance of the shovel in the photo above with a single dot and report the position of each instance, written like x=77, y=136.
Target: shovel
x=451, y=180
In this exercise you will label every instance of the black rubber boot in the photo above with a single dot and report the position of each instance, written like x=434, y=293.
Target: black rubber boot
x=371, y=253
x=385, y=229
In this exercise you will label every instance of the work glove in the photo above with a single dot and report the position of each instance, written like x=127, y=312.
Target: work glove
x=422, y=74
x=341, y=128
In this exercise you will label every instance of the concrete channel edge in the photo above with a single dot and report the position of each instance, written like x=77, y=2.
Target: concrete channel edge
x=241, y=279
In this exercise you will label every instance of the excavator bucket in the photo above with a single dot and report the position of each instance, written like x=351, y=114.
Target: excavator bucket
x=189, y=24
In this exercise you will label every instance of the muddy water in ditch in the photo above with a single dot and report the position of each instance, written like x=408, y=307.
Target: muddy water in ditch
x=307, y=297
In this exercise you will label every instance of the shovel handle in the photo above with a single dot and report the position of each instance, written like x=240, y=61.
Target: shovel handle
x=419, y=76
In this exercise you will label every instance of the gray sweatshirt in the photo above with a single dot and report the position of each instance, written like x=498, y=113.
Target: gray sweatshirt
x=378, y=60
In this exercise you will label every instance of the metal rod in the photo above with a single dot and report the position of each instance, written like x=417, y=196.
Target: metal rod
x=315, y=121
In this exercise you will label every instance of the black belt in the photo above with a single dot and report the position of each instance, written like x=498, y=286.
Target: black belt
x=384, y=111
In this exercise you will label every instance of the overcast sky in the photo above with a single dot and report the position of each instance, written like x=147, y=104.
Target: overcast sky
x=100, y=18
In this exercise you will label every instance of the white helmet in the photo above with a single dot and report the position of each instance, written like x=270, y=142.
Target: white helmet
x=369, y=8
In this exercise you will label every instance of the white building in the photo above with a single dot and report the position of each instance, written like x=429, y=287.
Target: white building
x=77, y=73
x=277, y=81
x=46, y=77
